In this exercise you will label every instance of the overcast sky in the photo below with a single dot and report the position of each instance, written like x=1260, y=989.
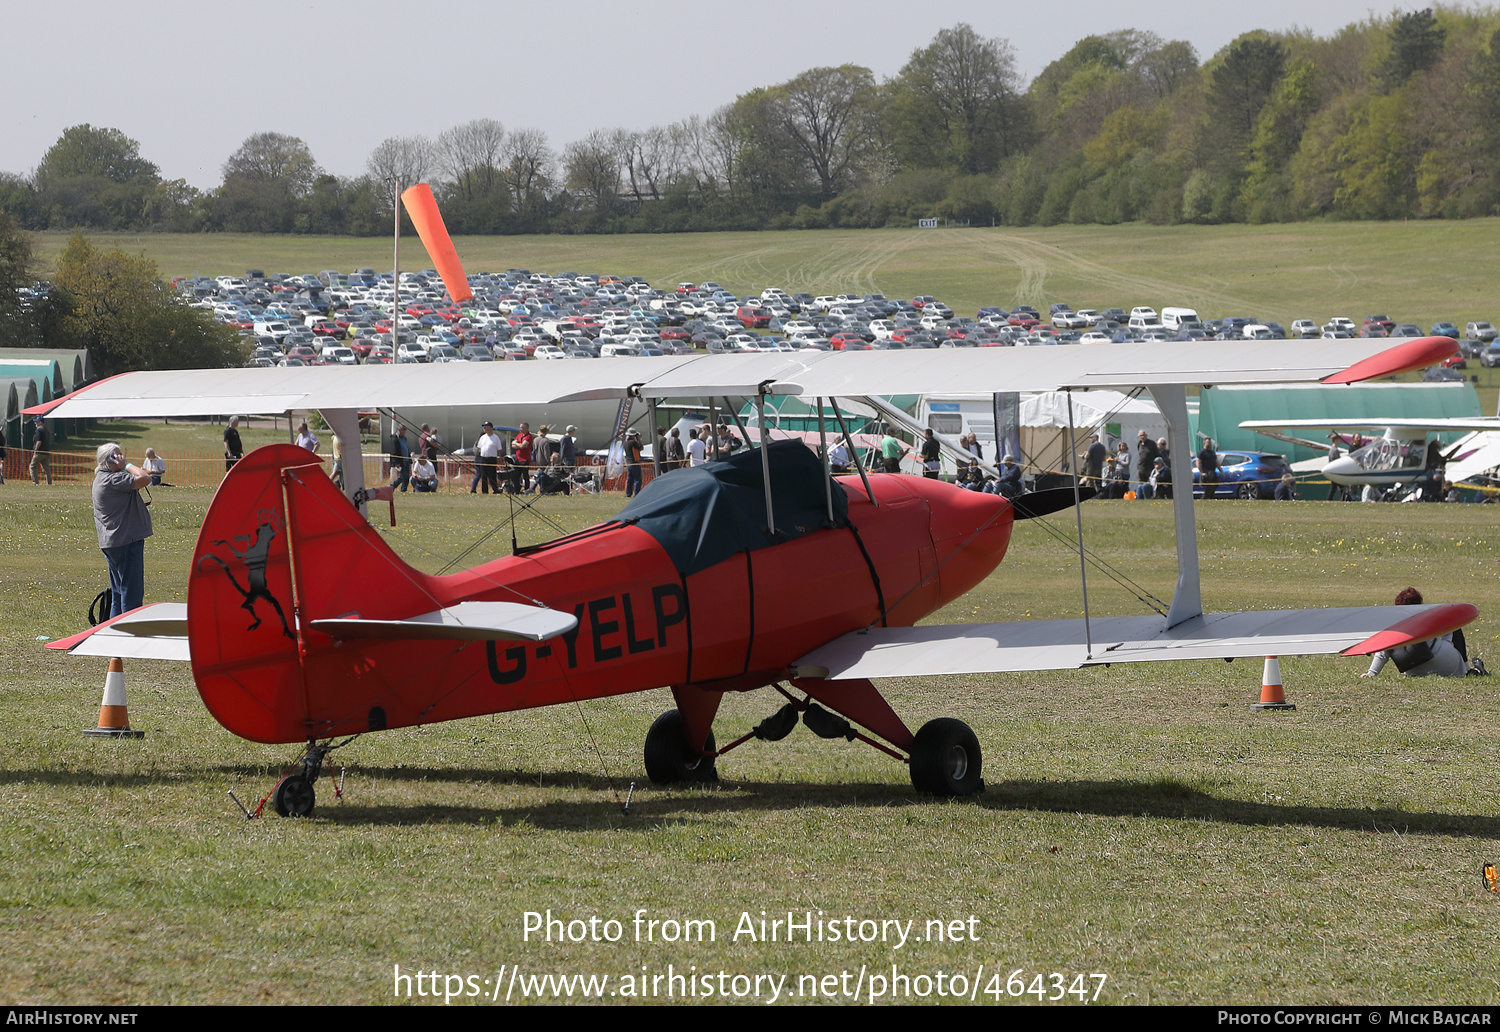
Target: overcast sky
x=190, y=81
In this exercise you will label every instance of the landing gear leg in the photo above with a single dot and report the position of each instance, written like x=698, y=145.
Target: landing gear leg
x=293, y=795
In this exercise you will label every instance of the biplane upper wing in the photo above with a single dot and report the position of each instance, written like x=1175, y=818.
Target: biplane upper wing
x=1063, y=644
x=816, y=374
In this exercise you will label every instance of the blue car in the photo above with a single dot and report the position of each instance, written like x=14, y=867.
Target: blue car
x=1245, y=475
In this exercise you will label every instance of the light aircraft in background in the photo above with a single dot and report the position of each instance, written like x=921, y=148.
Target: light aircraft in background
x=1401, y=454
x=302, y=625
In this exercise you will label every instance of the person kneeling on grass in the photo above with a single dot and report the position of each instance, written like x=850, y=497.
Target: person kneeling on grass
x=424, y=476
x=1447, y=656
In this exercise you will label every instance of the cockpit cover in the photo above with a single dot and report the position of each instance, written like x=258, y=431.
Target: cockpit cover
x=705, y=514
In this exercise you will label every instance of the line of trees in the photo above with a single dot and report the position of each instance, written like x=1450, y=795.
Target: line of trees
x=1392, y=117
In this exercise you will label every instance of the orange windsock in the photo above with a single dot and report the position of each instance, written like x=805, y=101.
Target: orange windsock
x=423, y=209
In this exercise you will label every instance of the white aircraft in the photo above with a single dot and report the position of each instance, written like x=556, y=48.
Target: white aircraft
x=1402, y=454
x=759, y=586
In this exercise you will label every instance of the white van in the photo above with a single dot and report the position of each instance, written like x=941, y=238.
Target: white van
x=1173, y=318
x=272, y=328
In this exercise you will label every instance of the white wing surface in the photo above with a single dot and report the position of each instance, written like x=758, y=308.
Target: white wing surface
x=1062, y=645
x=820, y=374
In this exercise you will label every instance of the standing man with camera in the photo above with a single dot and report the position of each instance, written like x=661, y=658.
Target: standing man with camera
x=124, y=523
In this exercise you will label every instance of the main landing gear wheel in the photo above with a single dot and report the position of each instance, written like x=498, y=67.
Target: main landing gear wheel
x=294, y=796
x=945, y=759
x=669, y=758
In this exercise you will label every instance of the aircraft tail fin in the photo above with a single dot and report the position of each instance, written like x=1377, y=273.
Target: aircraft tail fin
x=281, y=546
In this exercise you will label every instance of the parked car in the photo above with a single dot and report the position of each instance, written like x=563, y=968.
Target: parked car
x=1245, y=475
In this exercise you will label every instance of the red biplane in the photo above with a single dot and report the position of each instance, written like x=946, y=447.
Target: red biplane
x=302, y=625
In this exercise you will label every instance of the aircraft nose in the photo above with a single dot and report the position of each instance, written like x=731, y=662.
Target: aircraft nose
x=971, y=532
x=1340, y=470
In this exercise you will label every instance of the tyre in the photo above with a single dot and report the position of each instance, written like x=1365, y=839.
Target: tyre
x=945, y=759
x=294, y=796
x=1251, y=491
x=669, y=758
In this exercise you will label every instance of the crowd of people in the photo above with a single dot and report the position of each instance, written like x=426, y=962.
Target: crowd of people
x=547, y=462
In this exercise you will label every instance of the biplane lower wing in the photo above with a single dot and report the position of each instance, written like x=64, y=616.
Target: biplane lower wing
x=1062, y=644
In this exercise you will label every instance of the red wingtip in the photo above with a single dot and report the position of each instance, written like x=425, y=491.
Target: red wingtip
x=72, y=640
x=47, y=406
x=1403, y=358
x=1423, y=626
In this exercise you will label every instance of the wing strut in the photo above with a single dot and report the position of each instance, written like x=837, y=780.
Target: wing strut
x=1083, y=576
x=827, y=461
x=853, y=451
x=765, y=456
x=1187, y=600
x=344, y=423
x=658, y=442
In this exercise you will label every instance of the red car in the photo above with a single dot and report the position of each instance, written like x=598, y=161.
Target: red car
x=754, y=317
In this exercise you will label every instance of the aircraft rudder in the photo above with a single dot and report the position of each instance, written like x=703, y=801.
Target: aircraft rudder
x=241, y=618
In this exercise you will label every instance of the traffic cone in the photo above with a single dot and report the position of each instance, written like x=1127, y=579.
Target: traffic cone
x=1270, y=688
x=114, y=722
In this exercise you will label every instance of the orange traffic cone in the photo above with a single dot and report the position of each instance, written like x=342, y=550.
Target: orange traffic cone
x=113, y=720
x=1270, y=688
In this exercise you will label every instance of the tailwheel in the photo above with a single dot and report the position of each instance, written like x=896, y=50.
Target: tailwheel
x=669, y=757
x=294, y=796
x=945, y=759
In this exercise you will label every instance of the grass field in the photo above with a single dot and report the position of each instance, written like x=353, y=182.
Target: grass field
x=1421, y=272
x=1139, y=823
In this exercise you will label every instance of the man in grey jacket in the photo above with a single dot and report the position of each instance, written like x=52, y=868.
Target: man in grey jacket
x=124, y=523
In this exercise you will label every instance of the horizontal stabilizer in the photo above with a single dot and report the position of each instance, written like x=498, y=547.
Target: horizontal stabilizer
x=1061, y=644
x=157, y=631
x=162, y=619
x=467, y=621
